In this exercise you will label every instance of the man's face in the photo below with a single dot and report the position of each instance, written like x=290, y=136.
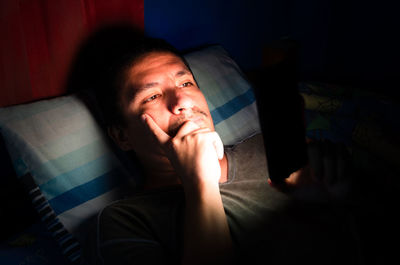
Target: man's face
x=160, y=85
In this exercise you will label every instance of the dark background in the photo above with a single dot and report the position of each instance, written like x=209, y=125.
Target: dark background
x=343, y=42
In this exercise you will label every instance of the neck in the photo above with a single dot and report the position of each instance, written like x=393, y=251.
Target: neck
x=165, y=176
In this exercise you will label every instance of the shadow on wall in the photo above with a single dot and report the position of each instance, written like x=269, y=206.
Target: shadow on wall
x=95, y=58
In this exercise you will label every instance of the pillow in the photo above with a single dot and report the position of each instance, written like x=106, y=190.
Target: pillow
x=229, y=96
x=77, y=172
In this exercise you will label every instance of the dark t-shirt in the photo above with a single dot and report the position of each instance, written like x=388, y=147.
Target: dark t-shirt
x=267, y=226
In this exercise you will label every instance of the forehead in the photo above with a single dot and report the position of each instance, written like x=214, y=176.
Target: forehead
x=153, y=64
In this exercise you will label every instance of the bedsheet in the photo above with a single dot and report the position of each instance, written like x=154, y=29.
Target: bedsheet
x=367, y=124
x=364, y=121
x=34, y=246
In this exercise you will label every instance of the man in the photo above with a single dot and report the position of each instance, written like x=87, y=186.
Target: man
x=200, y=204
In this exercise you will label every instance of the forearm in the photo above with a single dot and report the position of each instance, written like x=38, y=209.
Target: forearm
x=206, y=233
x=195, y=154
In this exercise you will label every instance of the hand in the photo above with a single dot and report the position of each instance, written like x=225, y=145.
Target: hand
x=302, y=177
x=193, y=152
x=328, y=168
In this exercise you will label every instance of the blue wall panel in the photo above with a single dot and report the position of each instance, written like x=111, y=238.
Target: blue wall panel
x=241, y=27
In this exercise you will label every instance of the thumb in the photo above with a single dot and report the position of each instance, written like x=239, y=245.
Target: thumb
x=161, y=136
x=218, y=145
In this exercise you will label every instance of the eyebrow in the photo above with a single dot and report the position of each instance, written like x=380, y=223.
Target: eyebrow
x=134, y=90
x=180, y=73
x=147, y=86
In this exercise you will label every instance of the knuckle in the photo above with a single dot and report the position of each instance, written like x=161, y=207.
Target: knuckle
x=174, y=142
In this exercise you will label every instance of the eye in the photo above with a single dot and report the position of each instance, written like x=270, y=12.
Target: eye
x=186, y=84
x=153, y=97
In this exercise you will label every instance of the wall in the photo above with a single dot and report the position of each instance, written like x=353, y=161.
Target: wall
x=351, y=42
x=40, y=40
x=242, y=27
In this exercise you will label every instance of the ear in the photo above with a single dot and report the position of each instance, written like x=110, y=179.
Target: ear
x=120, y=137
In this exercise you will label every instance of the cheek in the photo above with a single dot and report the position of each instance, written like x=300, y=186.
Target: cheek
x=161, y=118
x=157, y=112
x=204, y=107
x=201, y=101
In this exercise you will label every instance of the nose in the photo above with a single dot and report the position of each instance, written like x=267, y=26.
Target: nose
x=180, y=102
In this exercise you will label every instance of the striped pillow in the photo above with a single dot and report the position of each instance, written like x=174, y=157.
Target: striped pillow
x=229, y=96
x=59, y=143
x=70, y=246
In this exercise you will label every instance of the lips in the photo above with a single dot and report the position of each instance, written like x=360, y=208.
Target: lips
x=198, y=120
x=176, y=125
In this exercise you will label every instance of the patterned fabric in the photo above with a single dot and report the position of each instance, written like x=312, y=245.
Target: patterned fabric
x=355, y=117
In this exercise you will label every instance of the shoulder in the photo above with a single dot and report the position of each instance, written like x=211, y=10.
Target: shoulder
x=253, y=144
x=139, y=228
x=249, y=154
x=142, y=209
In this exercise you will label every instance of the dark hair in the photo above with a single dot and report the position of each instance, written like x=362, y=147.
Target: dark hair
x=124, y=57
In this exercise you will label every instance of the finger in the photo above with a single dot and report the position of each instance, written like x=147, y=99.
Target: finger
x=153, y=127
x=186, y=128
x=218, y=145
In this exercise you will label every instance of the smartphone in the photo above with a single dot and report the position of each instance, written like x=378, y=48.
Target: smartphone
x=281, y=113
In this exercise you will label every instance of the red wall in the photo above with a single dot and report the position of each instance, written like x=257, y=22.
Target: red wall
x=40, y=38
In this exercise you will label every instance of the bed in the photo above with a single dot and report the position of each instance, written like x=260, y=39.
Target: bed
x=68, y=169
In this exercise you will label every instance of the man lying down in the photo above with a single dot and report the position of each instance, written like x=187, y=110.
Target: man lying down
x=200, y=203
